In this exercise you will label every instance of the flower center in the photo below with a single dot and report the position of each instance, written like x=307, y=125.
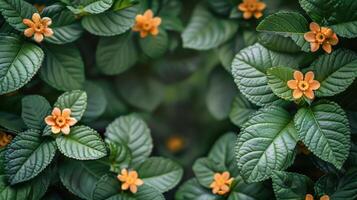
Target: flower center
x=130, y=180
x=147, y=26
x=251, y=7
x=38, y=27
x=320, y=37
x=303, y=85
x=60, y=121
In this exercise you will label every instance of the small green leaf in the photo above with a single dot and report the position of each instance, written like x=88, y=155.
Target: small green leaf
x=241, y=110
x=289, y=186
x=205, y=168
x=192, y=189
x=119, y=156
x=110, y=23
x=63, y=67
x=34, y=110
x=287, y=24
x=14, y=11
x=266, y=143
x=20, y=61
x=75, y=100
x=325, y=131
x=133, y=132
x=91, y=7
x=160, y=173
x=82, y=143
x=277, y=80
x=205, y=31
x=335, y=71
x=116, y=54
x=319, y=10
x=155, y=46
x=27, y=155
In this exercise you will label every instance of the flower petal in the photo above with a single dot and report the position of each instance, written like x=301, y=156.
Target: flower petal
x=225, y=175
x=139, y=19
x=71, y=121
x=314, y=85
x=56, y=112
x=154, y=31
x=65, y=130
x=133, y=174
x=298, y=76
x=314, y=46
x=28, y=22
x=258, y=15
x=247, y=15
x=327, y=47
x=139, y=182
x=36, y=18
x=149, y=14
x=55, y=129
x=297, y=94
x=133, y=188
x=309, y=94
x=314, y=27
x=325, y=197
x=48, y=32
x=29, y=32
x=309, y=76
x=66, y=113
x=50, y=121
x=143, y=34
x=156, y=21
x=124, y=172
x=242, y=7
x=333, y=39
x=124, y=186
x=310, y=36
x=309, y=197
x=47, y=21
x=260, y=6
x=38, y=37
x=292, y=84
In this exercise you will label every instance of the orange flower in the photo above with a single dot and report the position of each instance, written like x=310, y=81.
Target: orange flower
x=38, y=27
x=5, y=139
x=252, y=7
x=303, y=86
x=130, y=180
x=321, y=36
x=221, y=183
x=60, y=121
x=147, y=23
x=175, y=143
x=310, y=197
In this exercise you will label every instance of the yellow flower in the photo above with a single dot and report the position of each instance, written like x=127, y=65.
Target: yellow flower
x=5, y=139
x=221, y=183
x=60, y=120
x=303, y=86
x=130, y=180
x=38, y=27
x=321, y=36
x=252, y=8
x=175, y=143
x=147, y=23
x=310, y=197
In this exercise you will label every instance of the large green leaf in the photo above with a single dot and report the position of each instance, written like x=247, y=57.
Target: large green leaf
x=335, y=71
x=97, y=102
x=34, y=110
x=27, y=155
x=160, y=173
x=64, y=25
x=325, y=131
x=12, y=122
x=241, y=110
x=119, y=156
x=249, y=71
x=192, y=189
x=204, y=170
x=278, y=43
x=75, y=100
x=277, y=80
x=290, y=186
x=266, y=143
x=344, y=18
x=63, y=67
x=116, y=54
x=155, y=46
x=80, y=177
x=251, y=191
x=82, y=143
x=133, y=132
x=14, y=11
x=222, y=152
x=106, y=187
x=8, y=192
x=288, y=24
x=205, y=31
x=319, y=10
x=110, y=23
x=20, y=61
x=220, y=94
x=338, y=188
x=146, y=192
x=91, y=7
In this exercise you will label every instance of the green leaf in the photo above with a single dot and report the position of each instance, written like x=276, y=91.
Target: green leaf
x=325, y=131
x=343, y=20
x=27, y=155
x=146, y=192
x=110, y=23
x=222, y=7
x=205, y=31
x=64, y=25
x=14, y=11
x=287, y=24
x=116, y=54
x=191, y=189
x=63, y=67
x=80, y=177
x=155, y=46
x=290, y=186
x=8, y=192
x=172, y=23
x=133, y=132
x=20, y=61
x=204, y=170
x=251, y=191
x=119, y=156
x=338, y=189
x=319, y=10
x=222, y=152
x=75, y=100
x=277, y=80
x=266, y=143
x=241, y=110
x=249, y=71
x=220, y=94
x=278, y=43
x=335, y=71
x=82, y=143
x=97, y=102
x=91, y=7
x=106, y=187
x=34, y=110
x=12, y=122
